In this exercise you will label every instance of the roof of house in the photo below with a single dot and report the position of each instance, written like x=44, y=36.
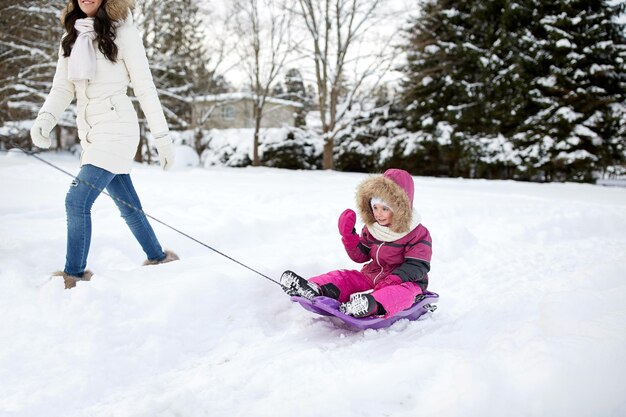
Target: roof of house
x=226, y=97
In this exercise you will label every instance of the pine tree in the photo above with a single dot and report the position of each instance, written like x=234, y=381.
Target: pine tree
x=545, y=77
x=577, y=57
x=360, y=147
x=446, y=91
x=294, y=86
x=295, y=90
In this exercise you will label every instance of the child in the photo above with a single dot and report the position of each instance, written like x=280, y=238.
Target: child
x=398, y=247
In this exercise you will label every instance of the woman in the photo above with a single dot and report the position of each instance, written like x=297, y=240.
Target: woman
x=101, y=53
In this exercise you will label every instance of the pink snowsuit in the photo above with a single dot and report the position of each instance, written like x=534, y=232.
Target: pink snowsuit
x=398, y=270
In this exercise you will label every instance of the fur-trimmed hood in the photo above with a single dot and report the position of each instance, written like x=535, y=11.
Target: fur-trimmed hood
x=396, y=188
x=118, y=10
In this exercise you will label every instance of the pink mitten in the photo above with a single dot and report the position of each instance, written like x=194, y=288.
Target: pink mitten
x=347, y=221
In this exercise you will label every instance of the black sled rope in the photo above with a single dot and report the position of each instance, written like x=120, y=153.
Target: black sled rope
x=31, y=153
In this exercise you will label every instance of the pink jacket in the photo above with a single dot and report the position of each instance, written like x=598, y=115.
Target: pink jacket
x=407, y=257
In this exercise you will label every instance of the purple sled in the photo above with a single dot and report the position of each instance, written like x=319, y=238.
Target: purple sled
x=326, y=306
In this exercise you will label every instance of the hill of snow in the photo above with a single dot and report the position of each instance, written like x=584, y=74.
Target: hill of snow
x=531, y=317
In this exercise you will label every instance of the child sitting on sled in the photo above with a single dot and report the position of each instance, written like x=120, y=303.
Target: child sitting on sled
x=397, y=245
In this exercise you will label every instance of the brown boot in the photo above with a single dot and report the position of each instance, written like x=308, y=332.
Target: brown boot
x=169, y=257
x=70, y=280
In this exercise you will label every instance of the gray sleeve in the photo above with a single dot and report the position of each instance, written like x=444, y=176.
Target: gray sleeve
x=414, y=270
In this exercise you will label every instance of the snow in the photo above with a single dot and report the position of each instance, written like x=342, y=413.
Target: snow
x=582, y=130
x=564, y=43
x=569, y=114
x=577, y=155
x=232, y=146
x=431, y=49
x=186, y=156
x=530, y=322
x=595, y=68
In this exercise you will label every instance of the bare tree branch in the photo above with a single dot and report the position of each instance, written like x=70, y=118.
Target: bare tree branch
x=264, y=36
x=336, y=28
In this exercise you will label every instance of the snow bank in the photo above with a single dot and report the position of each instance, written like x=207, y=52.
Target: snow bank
x=530, y=322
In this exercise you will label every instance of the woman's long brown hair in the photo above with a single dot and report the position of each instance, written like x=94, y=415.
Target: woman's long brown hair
x=103, y=25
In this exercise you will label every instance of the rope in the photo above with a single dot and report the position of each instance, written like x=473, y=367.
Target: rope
x=31, y=153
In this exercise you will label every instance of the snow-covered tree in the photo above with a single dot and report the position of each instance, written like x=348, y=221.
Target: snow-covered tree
x=450, y=72
x=366, y=144
x=336, y=29
x=575, y=52
x=263, y=29
x=535, y=83
x=30, y=33
x=294, y=86
x=297, y=149
x=173, y=37
x=172, y=34
x=295, y=90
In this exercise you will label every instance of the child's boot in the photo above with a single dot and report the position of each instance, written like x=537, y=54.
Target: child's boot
x=295, y=285
x=359, y=305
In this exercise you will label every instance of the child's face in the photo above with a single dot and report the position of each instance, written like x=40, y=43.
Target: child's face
x=382, y=214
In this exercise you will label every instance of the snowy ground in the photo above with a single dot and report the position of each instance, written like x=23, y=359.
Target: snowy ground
x=531, y=320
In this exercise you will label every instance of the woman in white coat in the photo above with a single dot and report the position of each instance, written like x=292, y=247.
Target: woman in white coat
x=100, y=54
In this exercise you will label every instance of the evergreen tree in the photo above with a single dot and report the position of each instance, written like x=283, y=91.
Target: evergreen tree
x=546, y=77
x=296, y=91
x=576, y=56
x=278, y=90
x=294, y=86
x=360, y=147
x=446, y=91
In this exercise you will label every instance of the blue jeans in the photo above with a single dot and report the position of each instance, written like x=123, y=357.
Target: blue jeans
x=81, y=196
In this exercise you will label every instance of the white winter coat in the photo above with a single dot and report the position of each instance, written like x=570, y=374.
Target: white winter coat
x=106, y=119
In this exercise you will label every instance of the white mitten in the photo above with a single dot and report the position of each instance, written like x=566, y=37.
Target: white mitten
x=166, y=152
x=40, y=132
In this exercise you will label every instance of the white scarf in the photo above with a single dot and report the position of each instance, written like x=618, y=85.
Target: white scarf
x=385, y=234
x=82, y=64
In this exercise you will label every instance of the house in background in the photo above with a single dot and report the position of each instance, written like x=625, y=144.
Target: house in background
x=219, y=111
x=235, y=111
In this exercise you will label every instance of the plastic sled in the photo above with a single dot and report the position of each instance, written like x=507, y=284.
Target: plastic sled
x=326, y=306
